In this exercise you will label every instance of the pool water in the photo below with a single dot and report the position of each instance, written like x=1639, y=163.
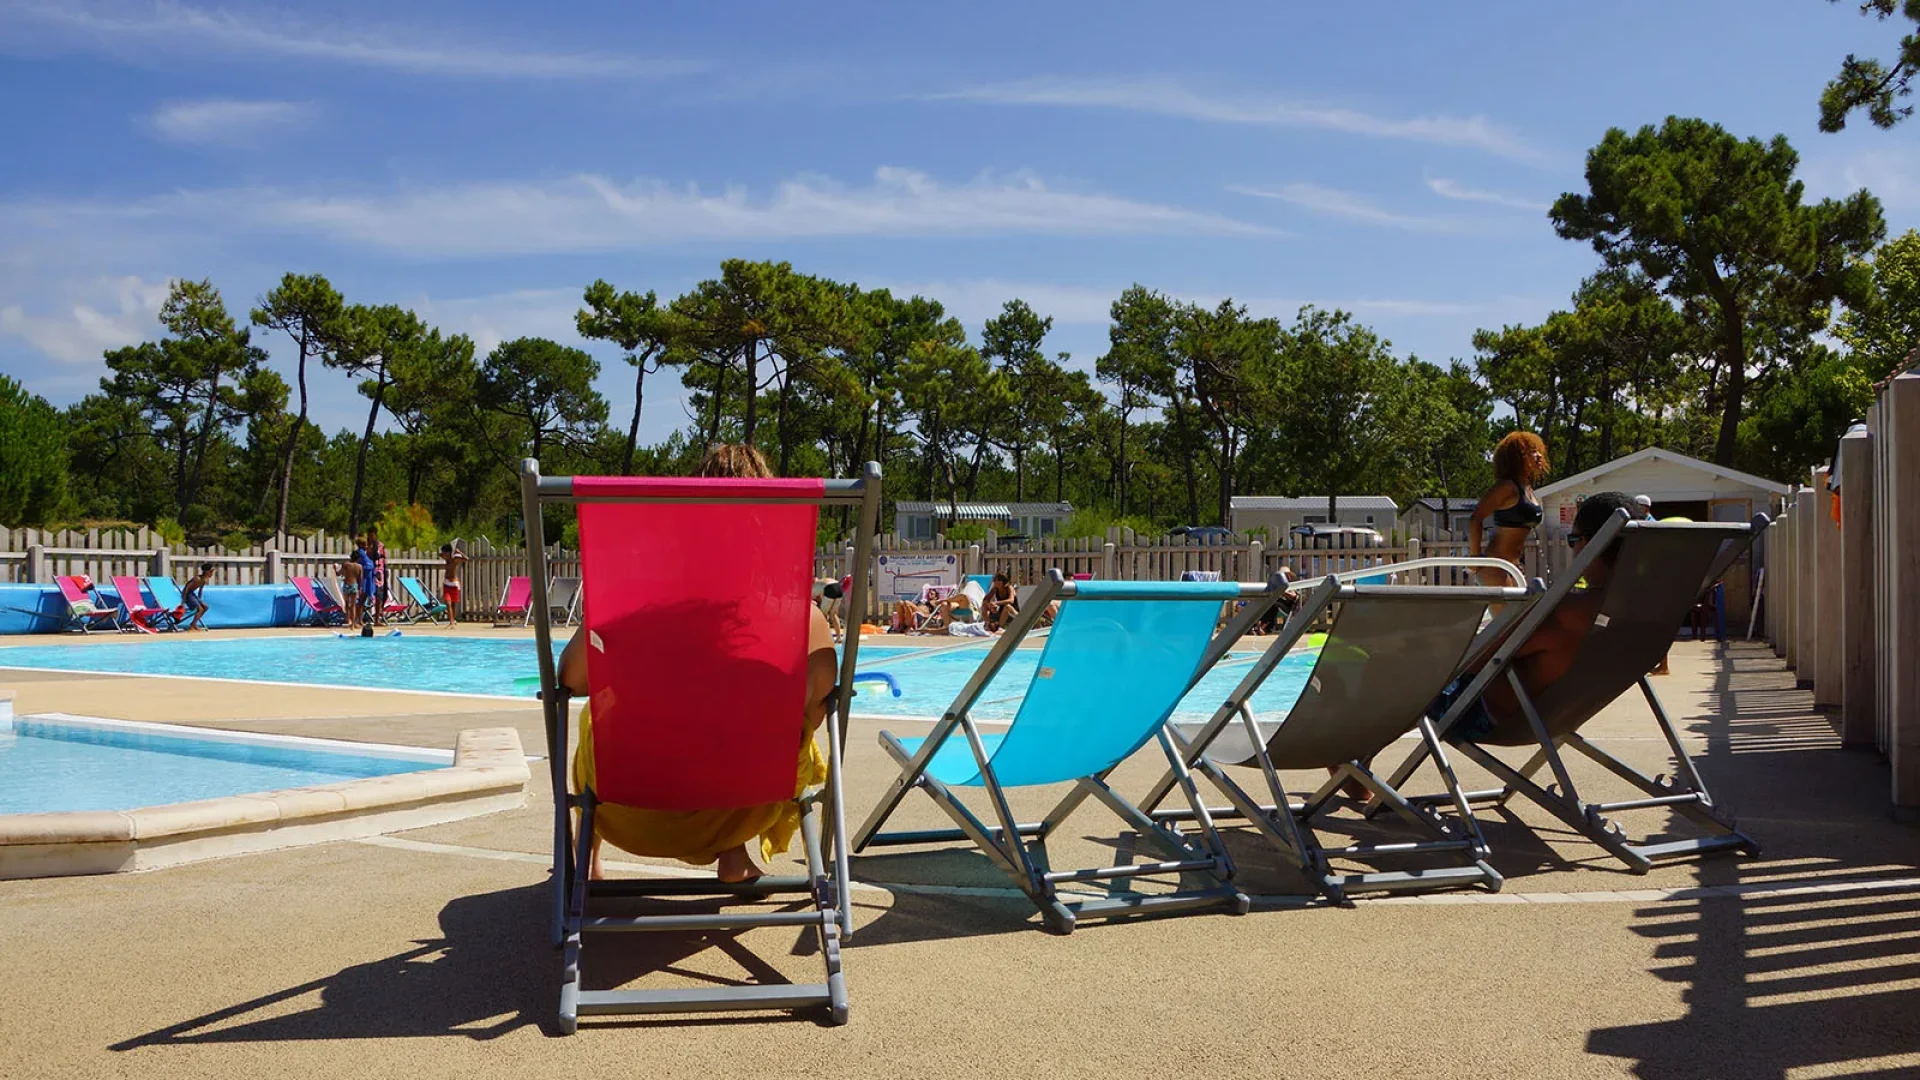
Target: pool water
x=929, y=683
x=49, y=766
x=930, y=674
x=451, y=665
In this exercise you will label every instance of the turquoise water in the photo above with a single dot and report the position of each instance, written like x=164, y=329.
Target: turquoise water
x=454, y=665
x=928, y=683
x=50, y=766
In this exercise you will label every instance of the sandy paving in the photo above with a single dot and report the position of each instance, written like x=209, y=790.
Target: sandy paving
x=424, y=955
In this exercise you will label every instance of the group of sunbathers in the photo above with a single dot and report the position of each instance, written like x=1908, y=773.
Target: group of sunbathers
x=962, y=613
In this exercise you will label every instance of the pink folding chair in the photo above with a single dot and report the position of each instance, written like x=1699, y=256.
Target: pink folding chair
x=323, y=609
x=85, y=612
x=695, y=615
x=141, y=616
x=515, y=599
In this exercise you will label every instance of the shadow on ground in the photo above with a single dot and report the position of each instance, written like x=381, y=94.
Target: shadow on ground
x=1777, y=984
x=490, y=972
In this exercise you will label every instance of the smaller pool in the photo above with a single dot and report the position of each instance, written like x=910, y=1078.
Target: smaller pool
x=54, y=765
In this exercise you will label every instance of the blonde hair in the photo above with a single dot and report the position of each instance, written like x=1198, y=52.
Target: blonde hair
x=733, y=460
x=1510, y=458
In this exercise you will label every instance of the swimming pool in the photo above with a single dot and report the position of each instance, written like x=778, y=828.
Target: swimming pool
x=451, y=665
x=931, y=671
x=51, y=765
x=444, y=664
x=930, y=682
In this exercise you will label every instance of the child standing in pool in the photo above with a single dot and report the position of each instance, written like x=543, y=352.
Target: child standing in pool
x=450, y=586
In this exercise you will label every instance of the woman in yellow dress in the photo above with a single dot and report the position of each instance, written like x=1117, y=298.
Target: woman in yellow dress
x=703, y=837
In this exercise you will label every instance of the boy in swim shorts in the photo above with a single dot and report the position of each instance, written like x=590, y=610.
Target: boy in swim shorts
x=192, y=596
x=350, y=591
x=450, y=587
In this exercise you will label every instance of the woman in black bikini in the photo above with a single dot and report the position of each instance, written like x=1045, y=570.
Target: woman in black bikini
x=1519, y=462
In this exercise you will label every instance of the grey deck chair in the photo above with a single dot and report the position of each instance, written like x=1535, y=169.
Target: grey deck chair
x=1660, y=570
x=1390, y=651
x=1119, y=658
x=563, y=601
x=668, y=754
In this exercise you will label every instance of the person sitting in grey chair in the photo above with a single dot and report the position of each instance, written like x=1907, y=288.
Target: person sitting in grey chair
x=1547, y=654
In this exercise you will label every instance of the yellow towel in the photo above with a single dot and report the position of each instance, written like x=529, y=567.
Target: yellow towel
x=697, y=836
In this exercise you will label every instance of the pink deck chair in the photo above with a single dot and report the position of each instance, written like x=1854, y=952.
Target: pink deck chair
x=695, y=615
x=141, y=616
x=515, y=599
x=85, y=612
x=324, y=609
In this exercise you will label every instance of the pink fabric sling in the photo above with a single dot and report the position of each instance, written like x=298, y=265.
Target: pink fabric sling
x=696, y=616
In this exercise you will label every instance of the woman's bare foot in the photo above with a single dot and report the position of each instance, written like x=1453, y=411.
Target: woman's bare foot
x=734, y=867
x=595, y=872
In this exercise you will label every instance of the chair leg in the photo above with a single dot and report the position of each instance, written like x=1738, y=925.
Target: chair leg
x=828, y=898
x=570, y=959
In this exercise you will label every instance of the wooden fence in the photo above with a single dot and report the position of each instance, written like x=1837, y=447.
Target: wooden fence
x=28, y=555
x=31, y=555
x=1842, y=587
x=1125, y=556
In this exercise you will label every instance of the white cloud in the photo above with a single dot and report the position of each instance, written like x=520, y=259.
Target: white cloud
x=1169, y=97
x=425, y=51
x=1450, y=189
x=594, y=214
x=1890, y=170
x=105, y=314
x=492, y=319
x=1333, y=202
x=224, y=120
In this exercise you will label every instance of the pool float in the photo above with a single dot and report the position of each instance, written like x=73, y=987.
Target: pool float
x=892, y=683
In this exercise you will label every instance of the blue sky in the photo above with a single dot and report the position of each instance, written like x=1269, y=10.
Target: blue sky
x=484, y=161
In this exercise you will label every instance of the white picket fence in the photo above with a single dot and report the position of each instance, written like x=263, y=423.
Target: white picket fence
x=29, y=555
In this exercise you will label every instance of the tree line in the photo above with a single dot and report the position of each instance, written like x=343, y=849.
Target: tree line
x=1728, y=317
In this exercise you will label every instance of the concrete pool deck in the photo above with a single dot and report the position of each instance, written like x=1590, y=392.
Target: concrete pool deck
x=423, y=954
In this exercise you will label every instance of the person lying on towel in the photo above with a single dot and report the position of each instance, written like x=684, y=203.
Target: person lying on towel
x=1545, y=656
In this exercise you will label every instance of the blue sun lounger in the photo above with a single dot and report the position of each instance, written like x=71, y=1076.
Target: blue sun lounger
x=1119, y=658
x=166, y=593
x=423, y=606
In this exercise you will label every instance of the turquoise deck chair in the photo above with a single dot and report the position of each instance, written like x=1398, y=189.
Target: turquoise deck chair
x=1119, y=658
x=424, y=606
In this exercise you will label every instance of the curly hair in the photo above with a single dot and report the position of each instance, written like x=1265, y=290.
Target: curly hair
x=736, y=460
x=1510, y=458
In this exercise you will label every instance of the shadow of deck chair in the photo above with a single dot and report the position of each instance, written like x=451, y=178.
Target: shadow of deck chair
x=422, y=606
x=563, y=600
x=695, y=612
x=1660, y=569
x=1120, y=656
x=1390, y=651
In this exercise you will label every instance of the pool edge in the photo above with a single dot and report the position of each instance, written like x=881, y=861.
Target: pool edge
x=489, y=774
